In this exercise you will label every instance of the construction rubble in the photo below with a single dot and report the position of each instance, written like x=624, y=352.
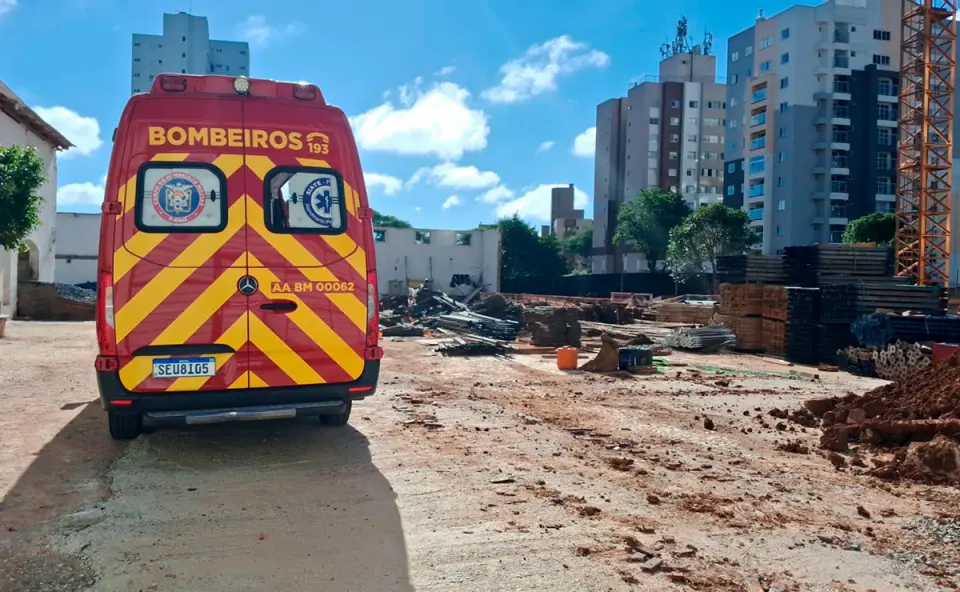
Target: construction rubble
x=623, y=334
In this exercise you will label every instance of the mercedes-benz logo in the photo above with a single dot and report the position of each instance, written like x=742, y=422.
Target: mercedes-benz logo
x=247, y=285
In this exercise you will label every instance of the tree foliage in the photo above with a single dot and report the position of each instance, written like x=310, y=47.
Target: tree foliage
x=878, y=227
x=579, y=246
x=526, y=255
x=709, y=233
x=646, y=223
x=21, y=176
x=388, y=221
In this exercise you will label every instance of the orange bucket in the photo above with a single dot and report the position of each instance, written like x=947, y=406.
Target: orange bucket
x=567, y=358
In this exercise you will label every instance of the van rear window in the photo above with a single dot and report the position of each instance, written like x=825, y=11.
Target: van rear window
x=181, y=197
x=305, y=200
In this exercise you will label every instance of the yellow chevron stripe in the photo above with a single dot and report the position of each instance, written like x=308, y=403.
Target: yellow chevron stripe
x=300, y=257
x=248, y=379
x=205, y=306
x=280, y=353
x=256, y=381
x=259, y=164
x=311, y=325
x=228, y=163
x=169, y=278
x=350, y=250
x=140, y=368
x=241, y=382
x=234, y=337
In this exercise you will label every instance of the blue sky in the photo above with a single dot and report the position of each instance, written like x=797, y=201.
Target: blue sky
x=464, y=111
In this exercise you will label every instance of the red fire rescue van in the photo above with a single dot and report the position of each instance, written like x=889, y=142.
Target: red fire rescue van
x=237, y=273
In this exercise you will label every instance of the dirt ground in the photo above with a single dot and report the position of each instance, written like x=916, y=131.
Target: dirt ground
x=460, y=474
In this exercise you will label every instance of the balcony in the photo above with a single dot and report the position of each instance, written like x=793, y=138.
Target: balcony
x=759, y=95
x=758, y=143
x=756, y=191
x=841, y=37
x=759, y=119
x=756, y=214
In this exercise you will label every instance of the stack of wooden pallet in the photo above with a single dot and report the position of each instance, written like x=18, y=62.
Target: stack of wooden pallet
x=741, y=309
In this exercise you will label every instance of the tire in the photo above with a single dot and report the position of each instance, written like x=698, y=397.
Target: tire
x=124, y=426
x=339, y=419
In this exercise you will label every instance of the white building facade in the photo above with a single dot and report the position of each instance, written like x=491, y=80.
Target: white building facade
x=185, y=47
x=20, y=125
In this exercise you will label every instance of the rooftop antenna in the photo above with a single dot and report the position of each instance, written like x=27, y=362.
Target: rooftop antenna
x=760, y=16
x=681, y=42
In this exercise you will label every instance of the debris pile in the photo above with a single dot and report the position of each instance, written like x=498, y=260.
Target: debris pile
x=919, y=419
x=76, y=293
x=496, y=306
x=553, y=327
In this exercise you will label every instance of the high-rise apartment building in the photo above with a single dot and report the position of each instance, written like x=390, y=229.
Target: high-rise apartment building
x=812, y=119
x=667, y=133
x=185, y=47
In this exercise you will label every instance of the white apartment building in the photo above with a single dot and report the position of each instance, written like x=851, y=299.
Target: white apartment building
x=185, y=47
x=667, y=133
x=812, y=119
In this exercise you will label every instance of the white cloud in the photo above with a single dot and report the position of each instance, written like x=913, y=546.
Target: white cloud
x=449, y=174
x=544, y=146
x=85, y=194
x=496, y=195
x=83, y=132
x=7, y=6
x=585, y=144
x=437, y=121
x=418, y=208
x=452, y=201
x=256, y=30
x=537, y=71
x=535, y=204
x=386, y=184
x=442, y=72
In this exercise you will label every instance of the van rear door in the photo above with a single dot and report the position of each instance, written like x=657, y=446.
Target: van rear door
x=308, y=322
x=181, y=322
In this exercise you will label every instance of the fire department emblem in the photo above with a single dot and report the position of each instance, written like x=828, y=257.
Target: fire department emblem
x=179, y=198
x=318, y=202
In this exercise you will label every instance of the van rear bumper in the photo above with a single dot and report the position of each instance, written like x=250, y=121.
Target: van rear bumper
x=318, y=397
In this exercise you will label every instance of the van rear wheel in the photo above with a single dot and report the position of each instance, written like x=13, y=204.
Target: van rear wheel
x=124, y=426
x=339, y=419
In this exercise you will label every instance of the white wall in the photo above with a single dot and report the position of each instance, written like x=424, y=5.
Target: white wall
x=401, y=259
x=78, y=238
x=14, y=133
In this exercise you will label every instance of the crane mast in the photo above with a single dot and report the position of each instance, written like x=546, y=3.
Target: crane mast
x=925, y=143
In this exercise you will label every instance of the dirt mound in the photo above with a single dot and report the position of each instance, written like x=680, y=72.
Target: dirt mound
x=938, y=461
x=919, y=419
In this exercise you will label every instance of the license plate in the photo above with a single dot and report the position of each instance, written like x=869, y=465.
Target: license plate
x=184, y=367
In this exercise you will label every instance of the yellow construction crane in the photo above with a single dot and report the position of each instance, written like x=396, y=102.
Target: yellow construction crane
x=925, y=147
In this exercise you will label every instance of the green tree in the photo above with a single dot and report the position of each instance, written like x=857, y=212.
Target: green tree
x=706, y=235
x=388, y=221
x=524, y=255
x=577, y=247
x=646, y=222
x=21, y=175
x=878, y=227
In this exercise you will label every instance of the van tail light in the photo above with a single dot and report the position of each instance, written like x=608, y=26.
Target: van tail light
x=106, y=324
x=373, y=351
x=173, y=83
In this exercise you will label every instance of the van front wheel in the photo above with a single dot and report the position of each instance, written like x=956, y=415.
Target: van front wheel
x=339, y=419
x=124, y=426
